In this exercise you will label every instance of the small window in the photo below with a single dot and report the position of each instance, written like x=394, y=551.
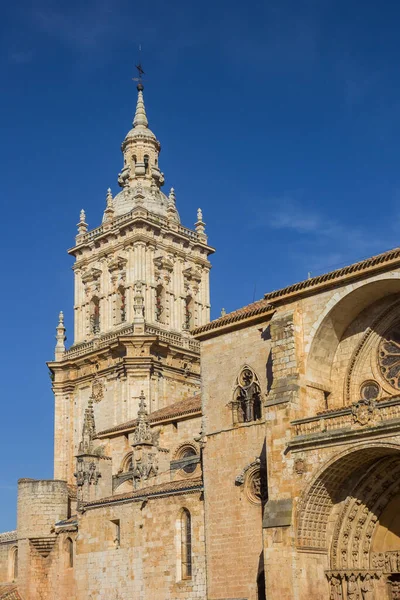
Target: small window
x=186, y=544
x=117, y=533
x=146, y=163
x=14, y=564
x=189, y=452
x=70, y=552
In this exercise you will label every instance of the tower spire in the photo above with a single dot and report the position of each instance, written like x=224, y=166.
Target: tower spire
x=140, y=119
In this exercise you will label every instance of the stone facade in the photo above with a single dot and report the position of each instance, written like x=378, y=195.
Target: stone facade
x=273, y=471
x=326, y=354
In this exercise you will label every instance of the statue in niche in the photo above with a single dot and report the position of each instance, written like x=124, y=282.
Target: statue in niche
x=352, y=588
x=336, y=589
x=367, y=588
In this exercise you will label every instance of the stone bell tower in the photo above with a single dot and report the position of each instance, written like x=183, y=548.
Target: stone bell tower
x=141, y=285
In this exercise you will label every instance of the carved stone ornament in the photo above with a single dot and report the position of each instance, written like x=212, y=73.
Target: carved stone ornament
x=117, y=263
x=250, y=477
x=97, y=390
x=363, y=411
x=299, y=466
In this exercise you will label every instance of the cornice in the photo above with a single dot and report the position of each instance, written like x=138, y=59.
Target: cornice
x=135, y=216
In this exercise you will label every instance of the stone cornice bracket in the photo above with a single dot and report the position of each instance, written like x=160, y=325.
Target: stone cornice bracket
x=82, y=227
x=60, y=337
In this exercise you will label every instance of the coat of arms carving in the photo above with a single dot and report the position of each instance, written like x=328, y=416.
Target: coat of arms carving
x=363, y=411
x=97, y=390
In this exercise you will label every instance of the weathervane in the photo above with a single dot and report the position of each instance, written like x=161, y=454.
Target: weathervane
x=139, y=69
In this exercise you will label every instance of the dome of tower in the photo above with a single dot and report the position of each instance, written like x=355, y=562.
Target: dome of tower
x=152, y=199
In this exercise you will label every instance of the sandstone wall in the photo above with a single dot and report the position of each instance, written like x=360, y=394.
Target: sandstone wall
x=145, y=565
x=233, y=518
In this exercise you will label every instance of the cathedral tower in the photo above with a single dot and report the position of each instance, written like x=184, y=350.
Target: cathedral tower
x=141, y=285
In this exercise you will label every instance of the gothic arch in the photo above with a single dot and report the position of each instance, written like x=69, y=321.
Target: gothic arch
x=344, y=486
x=339, y=312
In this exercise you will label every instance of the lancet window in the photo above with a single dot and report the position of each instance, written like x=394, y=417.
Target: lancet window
x=121, y=305
x=246, y=403
x=14, y=564
x=186, y=544
x=146, y=163
x=70, y=552
x=160, y=302
x=95, y=315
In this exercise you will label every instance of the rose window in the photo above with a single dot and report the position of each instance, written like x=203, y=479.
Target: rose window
x=389, y=357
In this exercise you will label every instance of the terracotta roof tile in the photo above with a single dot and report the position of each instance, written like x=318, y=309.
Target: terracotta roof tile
x=184, y=407
x=303, y=287
x=9, y=592
x=163, y=489
x=326, y=278
x=255, y=308
x=8, y=536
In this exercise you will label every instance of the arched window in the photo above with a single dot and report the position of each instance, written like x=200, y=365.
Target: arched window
x=188, y=322
x=246, y=403
x=95, y=315
x=186, y=459
x=14, y=564
x=160, y=301
x=134, y=160
x=186, y=544
x=127, y=464
x=121, y=304
x=70, y=552
x=146, y=163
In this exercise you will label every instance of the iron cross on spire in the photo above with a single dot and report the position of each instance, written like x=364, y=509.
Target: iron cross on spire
x=139, y=69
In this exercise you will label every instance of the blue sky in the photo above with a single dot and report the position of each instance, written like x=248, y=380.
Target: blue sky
x=280, y=119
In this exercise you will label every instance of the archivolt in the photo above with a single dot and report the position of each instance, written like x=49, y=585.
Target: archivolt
x=333, y=484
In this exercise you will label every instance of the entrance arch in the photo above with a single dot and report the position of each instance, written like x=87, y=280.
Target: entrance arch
x=351, y=512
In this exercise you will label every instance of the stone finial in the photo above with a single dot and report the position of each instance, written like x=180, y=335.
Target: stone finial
x=200, y=225
x=171, y=206
x=109, y=211
x=172, y=197
x=223, y=312
x=140, y=118
x=82, y=225
x=60, y=337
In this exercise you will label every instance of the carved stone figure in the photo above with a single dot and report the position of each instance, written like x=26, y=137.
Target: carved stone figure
x=336, y=592
x=393, y=561
x=367, y=588
x=352, y=588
